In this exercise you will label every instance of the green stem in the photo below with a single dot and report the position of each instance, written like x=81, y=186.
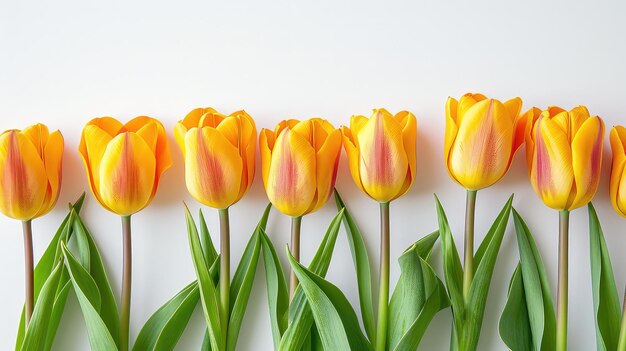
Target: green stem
x=621, y=345
x=383, y=292
x=296, y=224
x=224, y=271
x=126, y=283
x=27, y=229
x=468, y=268
x=561, y=316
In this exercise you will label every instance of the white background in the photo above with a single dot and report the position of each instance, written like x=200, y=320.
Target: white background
x=64, y=63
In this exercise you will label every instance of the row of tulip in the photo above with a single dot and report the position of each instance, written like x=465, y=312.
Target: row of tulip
x=299, y=161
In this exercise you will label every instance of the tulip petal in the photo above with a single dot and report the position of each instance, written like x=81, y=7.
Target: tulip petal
x=616, y=188
x=482, y=149
x=266, y=144
x=578, y=115
x=108, y=124
x=38, y=135
x=383, y=163
x=23, y=181
x=291, y=182
x=327, y=162
x=53, y=157
x=587, y=160
x=127, y=174
x=514, y=106
x=230, y=128
x=162, y=151
x=180, y=130
x=353, y=157
x=552, y=175
x=409, y=139
x=465, y=103
x=213, y=168
x=93, y=142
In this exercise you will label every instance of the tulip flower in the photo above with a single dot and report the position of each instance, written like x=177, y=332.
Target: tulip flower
x=30, y=181
x=617, y=187
x=564, y=154
x=299, y=165
x=124, y=164
x=382, y=155
x=481, y=138
x=219, y=169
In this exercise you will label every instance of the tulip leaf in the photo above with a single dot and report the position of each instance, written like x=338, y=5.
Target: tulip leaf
x=89, y=298
x=362, y=267
x=205, y=239
x=35, y=338
x=208, y=294
x=108, y=310
x=277, y=294
x=453, y=272
x=334, y=317
x=605, y=297
x=479, y=289
x=301, y=319
x=41, y=273
x=418, y=296
x=528, y=321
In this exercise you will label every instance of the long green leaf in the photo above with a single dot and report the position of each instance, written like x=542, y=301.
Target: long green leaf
x=155, y=334
x=362, y=267
x=205, y=239
x=42, y=272
x=453, y=272
x=534, y=300
x=418, y=286
x=208, y=295
x=300, y=317
x=277, y=294
x=35, y=338
x=335, y=319
x=89, y=299
x=605, y=297
x=108, y=310
x=479, y=289
x=243, y=279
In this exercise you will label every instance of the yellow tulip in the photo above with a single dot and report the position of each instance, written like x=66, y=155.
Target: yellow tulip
x=564, y=154
x=30, y=171
x=617, y=187
x=219, y=155
x=299, y=164
x=382, y=153
x=124, y=163
x=482, y=136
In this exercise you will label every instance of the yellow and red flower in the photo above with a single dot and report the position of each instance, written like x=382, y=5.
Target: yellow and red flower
x=382, y=153
x=617, y=188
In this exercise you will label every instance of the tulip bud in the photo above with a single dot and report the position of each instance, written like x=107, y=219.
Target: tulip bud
x=564, y=154
x=381, y=151
x=124, y=163
x=219, y=155
x=482, y=136
x=30, y=171
x=617, y=187
x=299, y=164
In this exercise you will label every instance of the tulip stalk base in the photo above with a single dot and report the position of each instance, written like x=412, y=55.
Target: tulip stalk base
x=561, y=316
x=126, y=283
x=29, y=271
x=296, y=224
x=468, y=268
x=224, y=268
x=383, y=292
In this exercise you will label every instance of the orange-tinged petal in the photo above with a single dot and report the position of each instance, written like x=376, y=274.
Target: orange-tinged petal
x=482, y=149
x=531, y=116
x=327, y=161
x=127, y=174
x=38, y=135
x=94, y=141
x=161, y=149
x=354, y=157
x=149, y=133
x=587, y=160
x=465, y=103
x=451, y=128
x=616, y=188
x=552, y=175
x=578, y=115
x=53, y=157
x=514, y=106
x=291, y=182
x=383, y=163
x=180, y=130
x=23, y=181
x=193, y=118
x=213, y=168
x=266, y=144
x=409, y=139
x=108, y=124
